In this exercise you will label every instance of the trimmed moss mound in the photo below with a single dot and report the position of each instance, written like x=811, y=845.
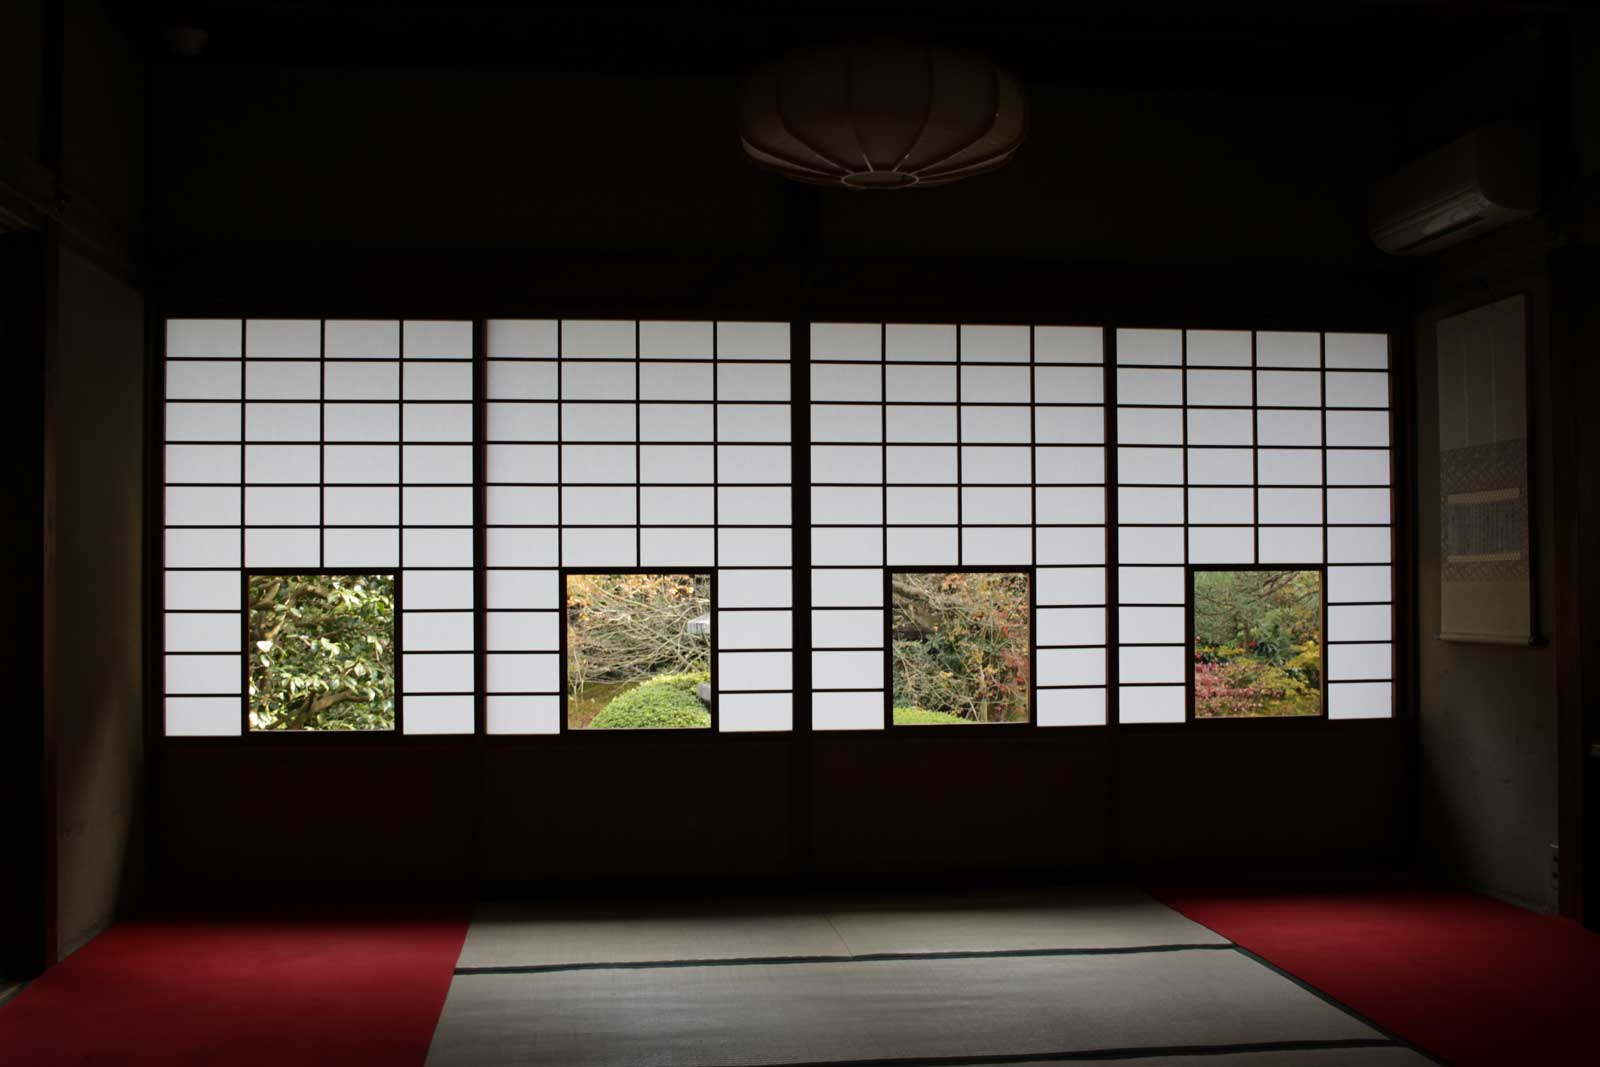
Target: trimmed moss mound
x=924, y=717
x=665, y=701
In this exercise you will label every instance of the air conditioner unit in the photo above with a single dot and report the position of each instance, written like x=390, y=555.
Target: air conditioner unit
x=1483, y=181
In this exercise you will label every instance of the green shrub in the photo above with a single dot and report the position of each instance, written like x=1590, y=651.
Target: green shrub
x=667, y=700
x=924, y=717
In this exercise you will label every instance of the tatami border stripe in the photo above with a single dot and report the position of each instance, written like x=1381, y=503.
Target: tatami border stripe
x=1127, y=1053
x=867, y=957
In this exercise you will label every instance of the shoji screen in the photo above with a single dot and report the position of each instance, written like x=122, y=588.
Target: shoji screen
x=317, y=445
x=1252, y=448
x=976, y=446
x=656, y=445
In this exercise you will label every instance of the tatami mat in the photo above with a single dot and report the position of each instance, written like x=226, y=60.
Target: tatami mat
x=542, y=933
x=869, y=1010
x=1322, y=1057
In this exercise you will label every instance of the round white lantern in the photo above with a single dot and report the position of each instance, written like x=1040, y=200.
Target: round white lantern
x=881, y=116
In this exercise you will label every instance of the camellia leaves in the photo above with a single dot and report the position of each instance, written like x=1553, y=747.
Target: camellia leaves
x=325, y=652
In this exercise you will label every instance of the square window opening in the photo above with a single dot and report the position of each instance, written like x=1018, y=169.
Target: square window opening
x=1256, y=641
x=961, y=647
x=638, y=648
x=321, y=652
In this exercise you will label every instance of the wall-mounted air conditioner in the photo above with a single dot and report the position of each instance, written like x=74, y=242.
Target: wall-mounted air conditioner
x=1482, y=181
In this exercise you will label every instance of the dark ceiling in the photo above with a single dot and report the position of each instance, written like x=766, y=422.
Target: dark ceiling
x=1291, y=46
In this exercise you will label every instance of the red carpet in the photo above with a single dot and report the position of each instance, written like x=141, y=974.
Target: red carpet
x=237, y=991
x=1465, y=977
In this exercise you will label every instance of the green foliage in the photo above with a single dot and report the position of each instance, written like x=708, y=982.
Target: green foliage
x=961, y=644
x=924, y=717
x=1258, y=645
x=321, y=652
x=629, y=627
x=665, y=701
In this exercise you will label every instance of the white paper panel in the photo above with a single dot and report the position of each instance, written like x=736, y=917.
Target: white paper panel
x=440, y=672
x=1068, y=344
x=847, y=711
x=203, y=506
x=1359, y=544
x=361, y=381
x=753, y=340
x=754, y=463
x=1358, y=505
x=522, y=338
x=1291, y=544
x=1151, y=704
x=1162, y=347
x=1059, y=425
x=755, y=629
x=1360, y=700
x=674, y=340
x=919, y=465
x=510, y=631
x=438, y=381
x=1153, y=664
x=1358, y=390
x=1346, y=584
x=522, y=548
x=422, y=547
x=438, y=589
x=1360, y=662
x=437, y=631
x=285, y=422
x=756, y=670
x=533, y=672
x=282, y=505
x=911, y=384
x=1068, y=385
x=994, y=344
x=1059, y=465
x=598, y=463
x=360, y=339
x=360, y=548
x=598, y=505
x=1069, y=585
x=914, y=342
x=857, y=628
x=203, y=631
x=203, y=380
x=1146, y=505
x=613, y=422
x=924, y=546
x=1223, y=544
x=996, y=385
x=754, y=548
x=990, y=545
x=997, y=506
x=520, y=589
x=1070, y=707
x=1141, y=386
x=852, y=423
x=1358, y=350
x=1284, y=388
x=282, y=547
x=1149, y=426
x=749, y=712
x=1358, y=622
x=341, y=464
x=1071, y=666
x=1219, y=427
x=994, y=425
x=210, y=675
x=1150, y=466
x=598, y=381
x=599, y=548
x=1210, y=388
x=523, y=381
x=1217, y=348
x=755, y=588
x=438, y=505
x=855, y=504
x=845, y=670
x=1358, y=429
x=282, y=381
x=660, y=464
x=597, y=339
x=995, y=464
x=674, y=547
x=194, y=421
x=1292, y=467
x=204, y=339
x=847, y=547
x=1208, y=507
x=524, y=715
x=1288, y=428
x=1069, y=505
x=1146, y=626
x=425, y=339
x=1279, y=506
x=1070, y=626
x=753, y=422
x=1075, y=546
x=753, y=506
x=189, y=590
x=845, y=588
x=748, y=381
x=431, y=463
x=846, y=340
x=1358, y=467
x=202, y=548
x=1287, y=349
x=439, y=715
x=919, y=425
x=1151, y=585
x=1150, y=545
x=204, y=716
x=846, y=382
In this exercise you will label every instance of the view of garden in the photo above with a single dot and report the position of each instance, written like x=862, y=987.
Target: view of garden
x=1257, y=643
x=638, y=651
x=321, y=652
x=961, y=647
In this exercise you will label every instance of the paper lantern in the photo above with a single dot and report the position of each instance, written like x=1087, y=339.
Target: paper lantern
x=881, y=117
